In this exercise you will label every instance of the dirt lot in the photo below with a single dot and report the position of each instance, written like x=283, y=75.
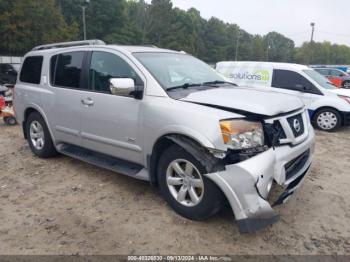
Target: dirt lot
x=64, y=206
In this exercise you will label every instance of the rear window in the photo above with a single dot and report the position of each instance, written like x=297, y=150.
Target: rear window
x=31, y=70
x=66, y=69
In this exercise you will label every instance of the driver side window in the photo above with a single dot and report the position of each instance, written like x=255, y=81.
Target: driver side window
x=105, y=66
x=290, y=80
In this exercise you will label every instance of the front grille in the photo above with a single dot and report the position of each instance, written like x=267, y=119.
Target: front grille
x=296, y=123
x=279, y=128
x=274, y=133
x=295, y=165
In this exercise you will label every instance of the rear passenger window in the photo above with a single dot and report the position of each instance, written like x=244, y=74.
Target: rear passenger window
x=290, y=80
x=66, y=69
x=31, y=70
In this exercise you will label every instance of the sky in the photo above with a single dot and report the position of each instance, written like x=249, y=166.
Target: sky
x=289, y=17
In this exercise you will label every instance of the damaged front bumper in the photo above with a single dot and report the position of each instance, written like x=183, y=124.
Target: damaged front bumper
x=247, y=185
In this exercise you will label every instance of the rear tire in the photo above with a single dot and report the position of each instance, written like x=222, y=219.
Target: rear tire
x=327, y=119
x=202, y=198
x=39, y=137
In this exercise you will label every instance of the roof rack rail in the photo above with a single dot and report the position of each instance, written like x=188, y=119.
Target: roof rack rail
x=69, y=44
x=150, y=46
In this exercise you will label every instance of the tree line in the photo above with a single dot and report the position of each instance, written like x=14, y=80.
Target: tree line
x=25, y=24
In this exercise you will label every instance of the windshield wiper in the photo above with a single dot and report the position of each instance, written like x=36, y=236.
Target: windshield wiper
x=217, y=82
x=184, y=86
x=209, y=83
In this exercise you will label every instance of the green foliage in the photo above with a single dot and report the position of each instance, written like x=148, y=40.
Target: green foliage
x=322, y=53
x=24, y=24
x=280, y=48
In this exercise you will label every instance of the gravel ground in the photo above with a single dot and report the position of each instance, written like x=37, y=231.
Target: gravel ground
x=64, y=206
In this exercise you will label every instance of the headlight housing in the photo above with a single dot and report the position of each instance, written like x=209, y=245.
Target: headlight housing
x=242, y=134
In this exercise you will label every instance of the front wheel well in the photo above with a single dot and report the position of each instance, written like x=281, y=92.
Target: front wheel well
x=189, y=144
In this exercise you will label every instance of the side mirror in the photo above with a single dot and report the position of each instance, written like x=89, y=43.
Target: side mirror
x=300, y=88
x=122, y=86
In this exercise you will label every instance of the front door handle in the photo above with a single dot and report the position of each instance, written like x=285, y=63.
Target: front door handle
x=87, y=102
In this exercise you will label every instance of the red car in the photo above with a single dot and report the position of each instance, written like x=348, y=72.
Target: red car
x=6, y=107
x=336, y=76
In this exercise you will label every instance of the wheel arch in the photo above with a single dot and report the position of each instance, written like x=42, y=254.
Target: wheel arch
x=190, y=144
x=33, y=109
x=327, y=107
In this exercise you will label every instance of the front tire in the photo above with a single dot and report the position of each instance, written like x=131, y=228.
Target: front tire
x=327, y=119
x=39, y=137
x=184, y=186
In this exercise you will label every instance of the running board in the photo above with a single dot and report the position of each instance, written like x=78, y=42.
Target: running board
x=105, y=161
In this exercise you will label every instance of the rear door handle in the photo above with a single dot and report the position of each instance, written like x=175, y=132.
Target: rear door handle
x=87, y=102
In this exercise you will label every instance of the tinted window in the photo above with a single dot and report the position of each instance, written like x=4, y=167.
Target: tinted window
x=53, y=63
x=31, y=70
x=293, y=81
x=105, y=66
x=68, y=69
x=5, y=68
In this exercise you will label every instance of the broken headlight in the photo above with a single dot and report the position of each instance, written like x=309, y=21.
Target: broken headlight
x=242, y=134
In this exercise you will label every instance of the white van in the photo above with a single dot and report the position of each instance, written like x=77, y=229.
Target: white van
x=328, y=106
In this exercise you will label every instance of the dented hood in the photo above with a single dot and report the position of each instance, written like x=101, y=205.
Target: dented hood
x=250, y=100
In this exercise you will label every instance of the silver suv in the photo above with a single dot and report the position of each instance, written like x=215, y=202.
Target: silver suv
x=168, y=118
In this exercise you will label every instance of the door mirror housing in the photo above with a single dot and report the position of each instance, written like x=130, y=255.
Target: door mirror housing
x=300, y=88
x=122, y=86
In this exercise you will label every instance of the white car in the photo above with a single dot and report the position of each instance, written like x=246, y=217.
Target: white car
x=328, y=106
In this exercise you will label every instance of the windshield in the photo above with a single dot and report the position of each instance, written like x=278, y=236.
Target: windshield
x=320, y=79
x=174, y=70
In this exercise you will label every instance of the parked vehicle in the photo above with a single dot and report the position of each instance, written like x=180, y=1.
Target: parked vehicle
x=328, y=106
x=6, y=112
x=338, y=77
x=8, y=74
x=3, y=90
x=168, y=118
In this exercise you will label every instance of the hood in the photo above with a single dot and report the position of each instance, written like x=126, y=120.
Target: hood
x=341, y=91
x=247, y=100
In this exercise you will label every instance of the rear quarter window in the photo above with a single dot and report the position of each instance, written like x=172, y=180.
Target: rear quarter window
x=31, y=70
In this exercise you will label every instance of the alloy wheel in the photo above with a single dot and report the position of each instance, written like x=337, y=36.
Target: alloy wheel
x=185, y=182
x=37, y=136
